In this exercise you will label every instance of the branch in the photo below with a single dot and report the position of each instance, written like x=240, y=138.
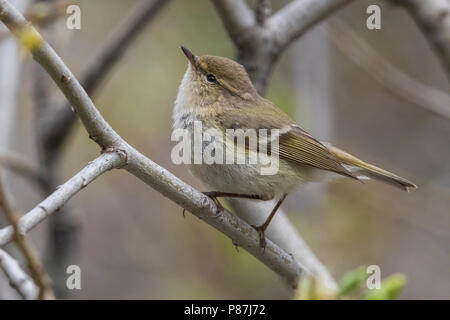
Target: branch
x=388, y=75
x=433, y=18
x=42, y=13
x=236, y=17
x=58, y=126
x=284, y=233
x=298, y=16
x=104, y=163
x=263, y=10
x=239, y=231
x=260, y=45
x=162, y=180
x=34, y=264
x=18, y=279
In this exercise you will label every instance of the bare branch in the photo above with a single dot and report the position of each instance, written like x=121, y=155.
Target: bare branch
x=18, y=279
x=192, y=200
x=298, y=16
x=388, y=75
x=263, y=10
x=260, y=45
x=38, y=273
x=433, y=17
x=236, y=17
x=57, y=199
x=241, y=233
x=151, y=173
x=58, y=126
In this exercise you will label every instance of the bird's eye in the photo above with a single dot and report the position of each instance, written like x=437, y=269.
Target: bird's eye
x=211, y=78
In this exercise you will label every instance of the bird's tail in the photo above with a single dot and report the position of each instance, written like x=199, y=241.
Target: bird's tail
x=366, y=171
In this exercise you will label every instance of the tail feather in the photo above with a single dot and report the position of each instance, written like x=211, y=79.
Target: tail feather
x=366, y=170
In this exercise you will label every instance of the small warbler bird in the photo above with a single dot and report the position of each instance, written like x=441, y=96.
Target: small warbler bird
x=218, y=93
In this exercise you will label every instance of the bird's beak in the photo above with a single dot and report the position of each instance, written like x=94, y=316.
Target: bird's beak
x=191, y=57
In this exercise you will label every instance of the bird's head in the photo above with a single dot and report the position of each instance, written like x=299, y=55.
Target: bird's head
x=212, y=79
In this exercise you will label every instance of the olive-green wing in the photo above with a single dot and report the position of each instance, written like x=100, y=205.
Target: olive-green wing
x=295, y=144
x=300, y=147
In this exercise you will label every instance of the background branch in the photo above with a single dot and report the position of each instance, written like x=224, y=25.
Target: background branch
x=18, y=279
x=11, y=71
x=298, y=16
x=263, y=10
x=34, y=264
x=433, y=18
x=236, y=16
x=388, y=75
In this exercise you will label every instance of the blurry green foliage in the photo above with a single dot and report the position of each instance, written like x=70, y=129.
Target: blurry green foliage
x=352, y=281
x=353, y=286
x=391, y=287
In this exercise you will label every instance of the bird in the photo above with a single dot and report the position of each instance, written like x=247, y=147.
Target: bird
x=217, y=93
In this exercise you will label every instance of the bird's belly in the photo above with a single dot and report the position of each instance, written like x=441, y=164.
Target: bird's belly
x=247, y=179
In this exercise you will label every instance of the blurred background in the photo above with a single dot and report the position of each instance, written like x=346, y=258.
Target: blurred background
x=135, y=244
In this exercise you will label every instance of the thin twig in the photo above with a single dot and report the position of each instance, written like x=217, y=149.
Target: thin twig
x=38, y=272
x=18, y=279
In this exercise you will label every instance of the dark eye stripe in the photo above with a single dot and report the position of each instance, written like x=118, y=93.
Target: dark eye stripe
x=211, y=78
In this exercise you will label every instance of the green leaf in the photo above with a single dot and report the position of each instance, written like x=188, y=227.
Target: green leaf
x=352, y=281
x=391, y=287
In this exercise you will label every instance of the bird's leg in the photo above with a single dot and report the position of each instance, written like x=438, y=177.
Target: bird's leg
x=262, y=228
x=217, y=194
x=219, y=206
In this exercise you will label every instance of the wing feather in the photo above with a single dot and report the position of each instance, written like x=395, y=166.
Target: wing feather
x=295, y=144
x=300, y=147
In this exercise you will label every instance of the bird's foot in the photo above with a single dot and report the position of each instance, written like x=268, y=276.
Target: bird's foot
x=219, y=206
x=262, y=236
